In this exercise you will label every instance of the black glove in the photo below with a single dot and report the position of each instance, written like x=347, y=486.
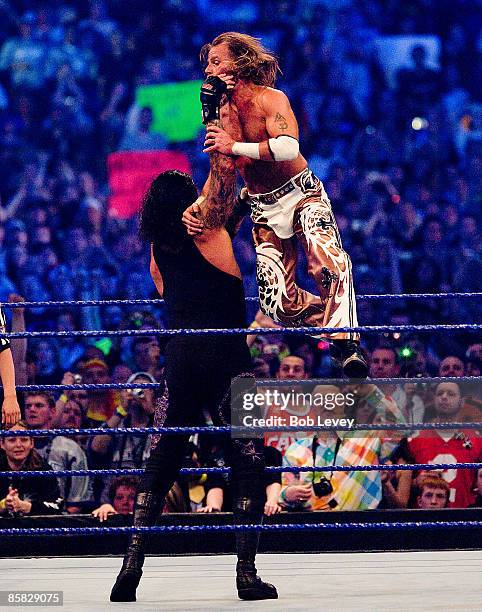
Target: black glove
x=212, y=91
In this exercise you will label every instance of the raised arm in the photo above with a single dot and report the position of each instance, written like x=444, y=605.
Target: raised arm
x=218, y=198
x=221, y=197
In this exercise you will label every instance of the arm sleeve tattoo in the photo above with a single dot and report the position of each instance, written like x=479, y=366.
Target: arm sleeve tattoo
x=221, y=198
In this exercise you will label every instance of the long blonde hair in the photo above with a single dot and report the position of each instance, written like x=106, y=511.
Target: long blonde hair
x=253, y=62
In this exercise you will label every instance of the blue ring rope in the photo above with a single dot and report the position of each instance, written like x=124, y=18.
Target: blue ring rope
x=375, y=296
x=260, y=382
x=242, y=331
x=92, y=431
x=90, y=387
x=409, y=467
x=62, y=531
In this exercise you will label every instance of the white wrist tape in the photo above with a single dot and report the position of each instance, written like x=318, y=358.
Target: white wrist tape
x=248, y=149
x=284, y=148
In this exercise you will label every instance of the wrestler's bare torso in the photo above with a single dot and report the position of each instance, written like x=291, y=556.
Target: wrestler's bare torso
x=249, y=104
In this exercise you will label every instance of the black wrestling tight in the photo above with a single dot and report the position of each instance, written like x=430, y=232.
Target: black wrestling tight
x=194, y=384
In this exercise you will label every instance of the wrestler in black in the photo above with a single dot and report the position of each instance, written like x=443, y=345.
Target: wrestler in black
x=202, y=287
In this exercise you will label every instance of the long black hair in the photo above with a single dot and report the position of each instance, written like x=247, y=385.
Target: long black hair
x=160, y=217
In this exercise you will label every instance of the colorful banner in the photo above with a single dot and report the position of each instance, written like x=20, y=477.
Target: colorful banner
x=175, y=107
x=130, y=174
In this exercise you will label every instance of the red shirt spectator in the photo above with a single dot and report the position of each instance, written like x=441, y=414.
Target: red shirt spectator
x=448, y=446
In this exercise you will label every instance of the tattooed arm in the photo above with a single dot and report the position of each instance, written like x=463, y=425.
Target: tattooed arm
x=221, y=196
x=280, y=122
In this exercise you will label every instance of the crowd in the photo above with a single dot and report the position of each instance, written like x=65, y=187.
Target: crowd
x=399, y=402
x=398, y=150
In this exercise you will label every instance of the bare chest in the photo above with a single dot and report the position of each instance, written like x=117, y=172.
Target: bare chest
x=252, y=121
x=244, y=123
x=247, y=124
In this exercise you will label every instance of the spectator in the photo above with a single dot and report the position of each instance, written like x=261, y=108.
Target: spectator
x=261, y=367
x=346, y=490
x=478, y=500
x=23, y=56
x=446, y=446
x=395, y=487
x=419, y=86
x=72, y=416
x=433, y=493
x=290, y=368
x=47, y=370
x=146, y=356
x=77, y=411
x=138, y=136
x=384, y=363
x=20, y=495
x=126, y=451
x=417, y=360
x=218, y=493
x=451, y=366
x=60, y=452
x=473, y=367
x=122, y=495
x=101, y=404
x=475, y=351
x=69, y=348
x=306, y=350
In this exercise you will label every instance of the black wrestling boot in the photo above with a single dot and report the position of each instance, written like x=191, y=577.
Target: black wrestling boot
x=249, y=584
x=148, y=507
x=351, y=358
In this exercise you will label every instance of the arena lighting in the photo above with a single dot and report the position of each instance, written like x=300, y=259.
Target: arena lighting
x=406, y=352
x=419, y=123
x=323, y=345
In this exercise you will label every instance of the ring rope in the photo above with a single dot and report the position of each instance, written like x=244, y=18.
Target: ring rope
x=344, y=381
x=92, y=431
x=260, y=382
x=53, y=531
x=90, y=387
x=409, y=467
x=375, y=296
x=241, y=331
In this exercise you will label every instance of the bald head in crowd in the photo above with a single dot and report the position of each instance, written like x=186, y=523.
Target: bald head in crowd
x=448, y=401
x=451, y=366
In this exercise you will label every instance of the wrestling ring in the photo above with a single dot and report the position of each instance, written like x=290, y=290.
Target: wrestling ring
x=413, y=579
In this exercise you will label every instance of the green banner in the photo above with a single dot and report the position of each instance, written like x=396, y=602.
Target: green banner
x=176, y=109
